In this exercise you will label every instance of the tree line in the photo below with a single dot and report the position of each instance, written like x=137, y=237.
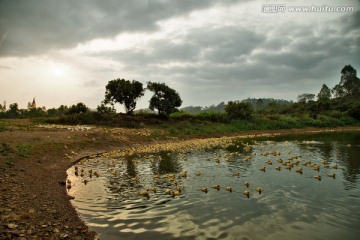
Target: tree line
x=343, y=98
x=165, y=100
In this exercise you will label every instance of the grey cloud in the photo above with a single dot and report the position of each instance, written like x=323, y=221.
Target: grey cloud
x=36, y=26
x=227, y=44
x=221, y=46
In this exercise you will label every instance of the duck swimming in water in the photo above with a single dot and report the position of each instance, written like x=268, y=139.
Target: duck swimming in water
x=332, y=175
x=318, y=177
x=216, y=186
x=259, y=190
x=247, y=193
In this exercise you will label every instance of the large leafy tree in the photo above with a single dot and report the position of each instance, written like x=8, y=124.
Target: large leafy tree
x=349, y=85
x=324, y=94
x=13, y=111
x=124, y=92
x=165, y=99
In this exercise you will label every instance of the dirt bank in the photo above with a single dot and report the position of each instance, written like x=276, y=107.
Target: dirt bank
x=33, y=161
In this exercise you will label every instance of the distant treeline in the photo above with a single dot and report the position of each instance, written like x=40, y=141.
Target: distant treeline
x=330, y=107
x=256, y=104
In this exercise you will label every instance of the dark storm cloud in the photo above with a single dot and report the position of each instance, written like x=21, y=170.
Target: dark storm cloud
x=36, y=26
x=294, y=53
x=227, y=45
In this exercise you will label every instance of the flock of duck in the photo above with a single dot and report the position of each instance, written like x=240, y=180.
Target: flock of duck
x=181, y=149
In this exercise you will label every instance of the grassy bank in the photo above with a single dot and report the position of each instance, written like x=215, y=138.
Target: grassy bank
x=193, y=126
x=184, y=124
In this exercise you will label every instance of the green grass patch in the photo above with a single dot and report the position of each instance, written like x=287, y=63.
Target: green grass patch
x=24, y=150
x=10, y=161
x=4, y=149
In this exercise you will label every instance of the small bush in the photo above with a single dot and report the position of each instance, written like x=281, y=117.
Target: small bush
x=212, y=117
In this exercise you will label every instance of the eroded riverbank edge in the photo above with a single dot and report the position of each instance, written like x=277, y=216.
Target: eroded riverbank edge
x=34, y=203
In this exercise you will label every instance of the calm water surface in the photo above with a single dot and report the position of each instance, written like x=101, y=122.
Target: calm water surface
x=291, y=206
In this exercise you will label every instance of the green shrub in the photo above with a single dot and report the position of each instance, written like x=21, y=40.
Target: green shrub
x=212, y=117
x=238, y=110
x=181, y=115
x=354, y=111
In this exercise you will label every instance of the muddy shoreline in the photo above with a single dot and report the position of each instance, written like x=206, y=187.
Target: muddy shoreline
x=34, y=203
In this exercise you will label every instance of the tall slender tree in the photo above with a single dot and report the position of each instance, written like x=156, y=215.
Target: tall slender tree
x=349, y=85
x=324, y=94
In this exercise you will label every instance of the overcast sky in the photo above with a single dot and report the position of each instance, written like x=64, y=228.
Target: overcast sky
x=210, y=51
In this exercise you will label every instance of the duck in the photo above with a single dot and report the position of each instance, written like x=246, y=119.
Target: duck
x=334, y=167
x=237, y=174
x=269, y=162
x=247, y=184
x=262, y=169
x=333, y=175
x=229, y=189
x=145, y=194
x=318, y=177
x=299, y=170
x=278, y=168
x=175, y=193
x=216, y=186
x=85, y=181
x=168, y=191
x=259, y=190
x=178, y=189
x=184, y=174
x=204, y=189
x=316, y=168
x=246, y=193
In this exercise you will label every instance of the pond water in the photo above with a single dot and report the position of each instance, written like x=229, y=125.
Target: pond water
x=292, y=205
